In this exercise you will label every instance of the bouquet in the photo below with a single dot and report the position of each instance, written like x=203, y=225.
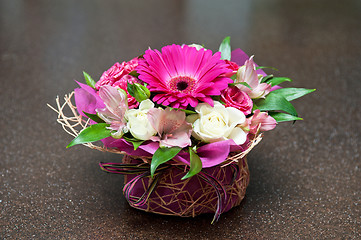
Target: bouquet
x=184, y=118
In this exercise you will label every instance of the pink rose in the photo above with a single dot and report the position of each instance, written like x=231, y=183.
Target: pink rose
x=234, y=97
x=117, y=76
x=233, y=66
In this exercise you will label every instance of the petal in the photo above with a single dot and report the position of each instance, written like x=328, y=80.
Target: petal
x=213, y=154
x=87, y=99
x=179, y=139
x=235, y=116
x=156, y=118
x=146, y=105
x=239, y=57
x=238, y=136
x=250, y=75
x=115, y=101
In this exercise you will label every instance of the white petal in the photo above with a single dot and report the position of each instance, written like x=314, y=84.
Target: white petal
x=146, y=105
x=238, y=136
x=235, y=116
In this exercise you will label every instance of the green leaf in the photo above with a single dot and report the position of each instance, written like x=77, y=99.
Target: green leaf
x=195, y=166
x=94, y=117
x=278, y=80
x=275, y=102
x=223, y=103
x=162, y=155
x=293, y=93
x=254, y=107
x=136, y=142
x=138, y=91
x=134, y=74
x=225, y=48
x=91, y=134
x=180, y=109
x=262, y=67
x=242, y=83
x=89, y=80
x=130, y=89
x=283, y=117
x=266, y=78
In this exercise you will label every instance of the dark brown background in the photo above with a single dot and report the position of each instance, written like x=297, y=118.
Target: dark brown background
x=305, y=178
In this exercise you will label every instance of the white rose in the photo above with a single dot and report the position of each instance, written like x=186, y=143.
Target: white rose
x=218, y=123
x=138, y=123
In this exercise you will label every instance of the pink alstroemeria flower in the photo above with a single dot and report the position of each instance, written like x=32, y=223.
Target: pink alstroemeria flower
x=248, y=74
x=171, y=126
x=116, y=105
x=267, y=122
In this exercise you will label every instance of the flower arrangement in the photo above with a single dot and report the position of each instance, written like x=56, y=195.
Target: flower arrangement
x=185, y=119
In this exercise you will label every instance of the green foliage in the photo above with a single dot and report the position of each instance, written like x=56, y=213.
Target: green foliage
x=262, y=67
x=225, y=48
x=138, y=91
x=241, y=83
x=278, y=80
x=293, y=93
x=283, y=117
x=89, y=80
x=274, y=80
x=275, y=102
x=180, y=109
x=162, y=155
x=266, y=78
x=94, y=117
x=91, y=134
x=195, y=164
x=134, y=74
x=136, y=142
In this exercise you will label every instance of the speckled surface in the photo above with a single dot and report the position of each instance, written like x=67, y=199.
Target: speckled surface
x=305, y=178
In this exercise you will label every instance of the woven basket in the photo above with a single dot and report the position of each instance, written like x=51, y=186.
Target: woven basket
x=213, y=190
x=193, y=196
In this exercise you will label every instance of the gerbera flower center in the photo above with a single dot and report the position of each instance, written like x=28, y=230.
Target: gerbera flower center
x=183, y=84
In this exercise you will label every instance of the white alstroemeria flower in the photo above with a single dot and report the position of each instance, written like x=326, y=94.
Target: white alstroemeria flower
x=116, y=105
x=138, y=123
x=248, y=74
x=218, y=123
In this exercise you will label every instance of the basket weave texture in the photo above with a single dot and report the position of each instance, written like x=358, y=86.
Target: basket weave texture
x=193, y=196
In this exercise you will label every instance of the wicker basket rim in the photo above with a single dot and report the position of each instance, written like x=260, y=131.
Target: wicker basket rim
x=74, y=124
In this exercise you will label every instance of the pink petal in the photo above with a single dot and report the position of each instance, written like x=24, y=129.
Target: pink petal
x=172, y=120
x=156, y=118
x=114, y=100
x=239, y=57
x=178, y=139
x=87, y=99
x=250, y=75
x=123, y=145
x=215, y=153
x=275, y=88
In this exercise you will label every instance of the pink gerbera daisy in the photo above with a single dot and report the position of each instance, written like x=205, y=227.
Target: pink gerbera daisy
x=182, y=75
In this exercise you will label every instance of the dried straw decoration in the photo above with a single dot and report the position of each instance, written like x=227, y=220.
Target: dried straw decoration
x=213, y=190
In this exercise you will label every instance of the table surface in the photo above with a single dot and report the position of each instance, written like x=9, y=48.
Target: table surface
x=305, y=177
